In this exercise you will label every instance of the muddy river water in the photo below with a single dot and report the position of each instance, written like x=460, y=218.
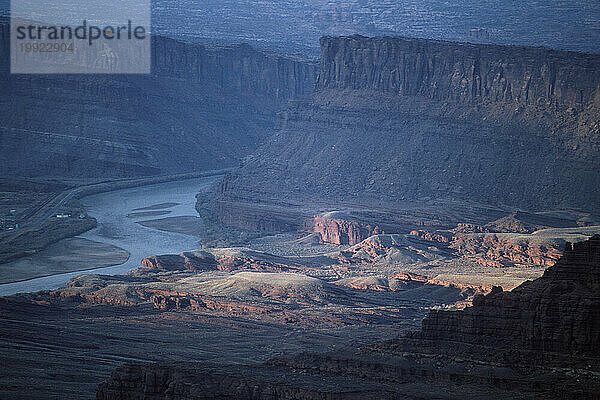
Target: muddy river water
x=118, y=214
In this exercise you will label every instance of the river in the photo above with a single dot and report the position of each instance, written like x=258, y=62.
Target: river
x=117, y=227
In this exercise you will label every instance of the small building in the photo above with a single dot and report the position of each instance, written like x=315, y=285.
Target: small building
x=8, y=223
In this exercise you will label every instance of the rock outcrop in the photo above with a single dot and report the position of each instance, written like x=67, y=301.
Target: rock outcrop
x=456, y=72
x=336, y=228
x=495, y=249
x=186, y=261
x=500, y=250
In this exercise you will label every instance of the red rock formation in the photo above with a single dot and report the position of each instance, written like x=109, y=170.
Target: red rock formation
x=373, y=246
x=494, y=250
x=499, y=250
x=432, y=236
x=336, y=230
x=177, y=303
x=469, y=228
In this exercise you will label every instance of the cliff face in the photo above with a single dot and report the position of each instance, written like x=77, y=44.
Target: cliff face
x=397, y=119
x=559, y=312
x=337, y=230
x=446, y=71
x=238, y=69
x=203, y=107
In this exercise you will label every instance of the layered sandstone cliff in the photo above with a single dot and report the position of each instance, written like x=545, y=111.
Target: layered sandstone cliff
x=457, y=72
x=339, y=229
x=395, y=120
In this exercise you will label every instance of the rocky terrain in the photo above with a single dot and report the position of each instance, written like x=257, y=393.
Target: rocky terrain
x=558, y=313
x=340, y=229
x=236, y=305
x=400, y=121
x=203, y=107
x=538, y=341
x=292, y=290
x=241, y=307
x=492, y=248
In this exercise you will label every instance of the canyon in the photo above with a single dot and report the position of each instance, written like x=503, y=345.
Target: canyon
x=410, y=218
x=408, y=124
x=93, y=126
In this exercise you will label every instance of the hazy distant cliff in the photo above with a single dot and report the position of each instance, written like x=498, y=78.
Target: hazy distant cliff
x=202, y=107
x=238, y=68
x=396, y=119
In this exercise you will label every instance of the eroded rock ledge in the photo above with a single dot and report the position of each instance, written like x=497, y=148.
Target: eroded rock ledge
x=460, y=72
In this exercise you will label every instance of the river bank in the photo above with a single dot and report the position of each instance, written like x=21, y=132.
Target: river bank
x=119, y=230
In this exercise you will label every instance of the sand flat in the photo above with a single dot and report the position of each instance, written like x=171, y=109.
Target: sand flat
x=158, y=206
x=67, y=255
x=147, y=214
x=185, y=224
